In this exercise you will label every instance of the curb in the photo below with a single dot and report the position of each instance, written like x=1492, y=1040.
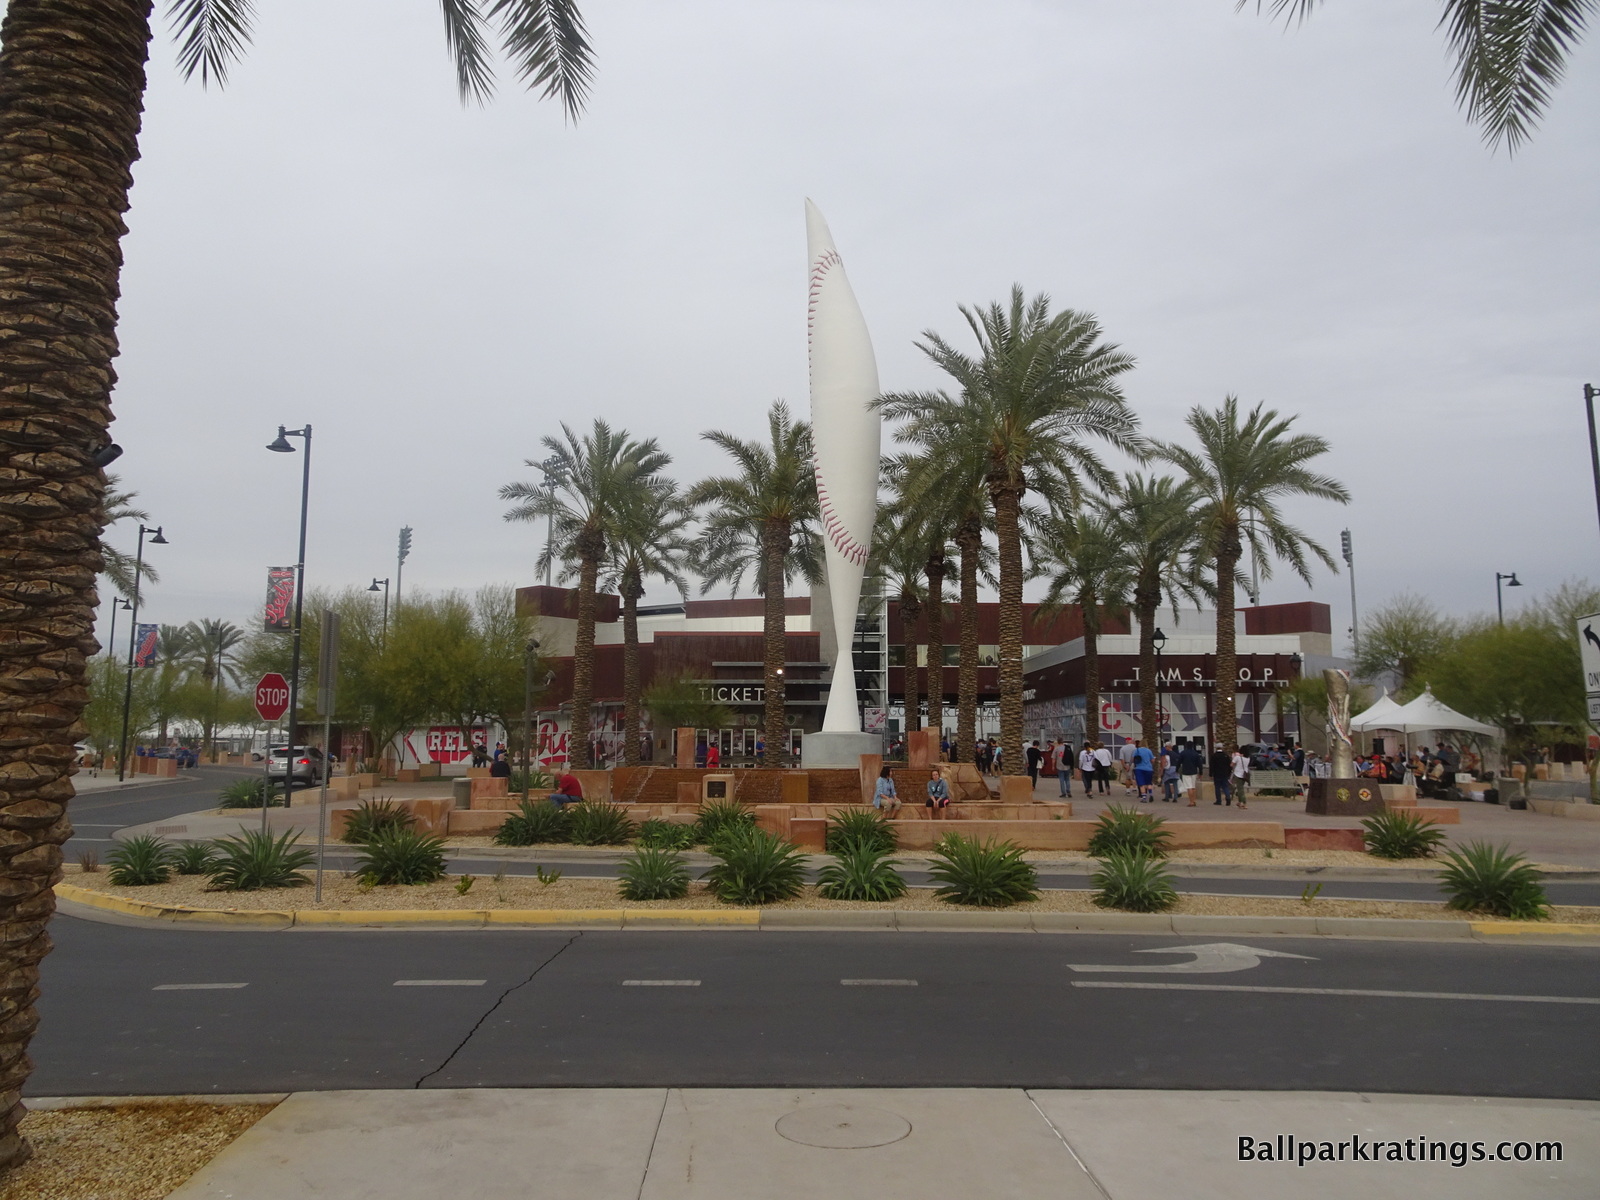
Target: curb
x=219, y=1100
x=914, y=921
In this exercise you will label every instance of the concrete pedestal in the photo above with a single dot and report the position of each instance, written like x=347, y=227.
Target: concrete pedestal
x=1343, y=797
x=838, y=749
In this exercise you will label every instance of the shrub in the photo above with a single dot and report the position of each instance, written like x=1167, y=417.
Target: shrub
x=246, y=793
x=666, y=835
x=258, y=860
x=653, y=873
x=1121, y=830
x=860, y=872
x=756, y=868
x=860, y=827
x=194, y=858
x=987, y=874
x=88, y=862
x=1400, y=834
x=1133, y=882
x=536, y=781
x=140, y=862
x=372, y=817
x=1490, y=879
x=393, y=855
x=720, y=817
x=596, y=823
x=534, y=821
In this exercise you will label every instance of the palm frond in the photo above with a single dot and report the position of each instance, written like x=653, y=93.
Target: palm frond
x=211, y=34
x=466, y=36
x=549, y=43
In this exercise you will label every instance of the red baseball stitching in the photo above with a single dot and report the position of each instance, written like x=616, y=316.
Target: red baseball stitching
x=837, y=534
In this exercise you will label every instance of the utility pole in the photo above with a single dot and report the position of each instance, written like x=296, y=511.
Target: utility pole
x=1589, y=393
x=1350, y=565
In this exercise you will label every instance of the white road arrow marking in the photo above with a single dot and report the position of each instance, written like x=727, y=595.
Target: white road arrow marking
x=1211, y=959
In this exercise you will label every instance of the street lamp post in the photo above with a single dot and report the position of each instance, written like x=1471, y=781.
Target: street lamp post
x=529, y=657
x=133, y=633
x=375, y=582
x=280, y=445
x=1299, y=661
x=1511, y=580
x=1589, y=393
x=1159, y=639
x=111, y=638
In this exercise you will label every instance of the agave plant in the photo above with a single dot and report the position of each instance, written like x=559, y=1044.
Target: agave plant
x=665, y=835
x=1133, y=882
x=756, y=867
x=596, y=823
x=860, y=827
x=194, y=858
x=718, y=818
x=258, y=860
x=985, y=874
x=1400, y=834
x=535, y=821
x=1120, y=830
x=1484, y=878
x=140, y=862
x=394, y=855
x=860, y=872
x=372, y=817
x=653, y=873
x=246, y=793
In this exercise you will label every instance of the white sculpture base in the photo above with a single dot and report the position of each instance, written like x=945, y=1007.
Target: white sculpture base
x=838, y=749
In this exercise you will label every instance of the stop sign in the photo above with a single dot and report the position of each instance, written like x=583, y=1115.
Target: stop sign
x=272, y=696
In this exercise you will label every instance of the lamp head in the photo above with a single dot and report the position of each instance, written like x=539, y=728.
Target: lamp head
x=1159, y=638
x=375, y=583
x=1513, y=581
x=158, y=540
x=280, y=444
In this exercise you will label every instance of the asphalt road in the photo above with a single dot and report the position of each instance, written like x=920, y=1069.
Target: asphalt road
x=510, y=1008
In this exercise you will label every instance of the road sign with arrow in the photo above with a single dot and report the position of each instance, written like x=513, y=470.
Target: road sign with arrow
x=1589, y=647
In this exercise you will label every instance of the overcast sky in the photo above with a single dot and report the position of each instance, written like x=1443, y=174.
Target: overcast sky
x=1299, y=216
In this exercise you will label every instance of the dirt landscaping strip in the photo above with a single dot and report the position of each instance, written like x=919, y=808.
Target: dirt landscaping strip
x=127, y=1151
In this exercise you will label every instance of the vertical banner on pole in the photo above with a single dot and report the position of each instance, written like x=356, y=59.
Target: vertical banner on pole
x=280, y=600
x=146, y=641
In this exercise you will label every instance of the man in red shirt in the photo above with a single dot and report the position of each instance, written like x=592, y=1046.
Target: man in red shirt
x=568, y=790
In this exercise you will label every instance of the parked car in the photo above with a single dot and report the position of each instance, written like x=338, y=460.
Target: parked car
x=303, y=765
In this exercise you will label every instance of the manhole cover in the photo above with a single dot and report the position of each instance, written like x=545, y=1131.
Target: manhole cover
x=843, y=1127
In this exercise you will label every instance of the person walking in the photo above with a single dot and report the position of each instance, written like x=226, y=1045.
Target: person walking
x=1169, y=775
x=938, y=794
x=1221, y=766
x=1102, y=767
x=1189, y=764
x=1064, y=760
x=1241, y=776
x=1125, y=754
x=1144, y=771
x=884, y=797
x=1087, y=768
x=1035, y=756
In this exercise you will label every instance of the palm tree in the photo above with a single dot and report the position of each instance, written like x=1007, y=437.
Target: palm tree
x=72, y=77
x=1509, y=56
x=1152, y=518
x=214, y=648
x=1039, y=388
x=118, y=564
x=1086, y=566
x=594, y=479
x=1240, y=473
x=648, y=543
x=898, y=556
x=762, y=521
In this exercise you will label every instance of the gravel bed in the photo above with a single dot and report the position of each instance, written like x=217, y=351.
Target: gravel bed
x=523, y=892
x=131, y=1152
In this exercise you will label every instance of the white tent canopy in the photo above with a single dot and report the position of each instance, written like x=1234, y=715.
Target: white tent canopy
x=1427, y=714
x=1379, y=716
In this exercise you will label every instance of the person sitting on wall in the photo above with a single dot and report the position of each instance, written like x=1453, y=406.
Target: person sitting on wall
x=500, y=768
x=568, y=790
x=938, y=793
x=884, y=797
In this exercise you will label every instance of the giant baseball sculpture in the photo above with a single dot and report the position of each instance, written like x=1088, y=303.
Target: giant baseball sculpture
x=845, y=434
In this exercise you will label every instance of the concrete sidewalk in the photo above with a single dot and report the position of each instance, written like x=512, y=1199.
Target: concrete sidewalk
x=886, y=1144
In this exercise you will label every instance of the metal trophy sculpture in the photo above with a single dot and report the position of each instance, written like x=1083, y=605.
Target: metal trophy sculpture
x=845, y=436
x=1342, y=794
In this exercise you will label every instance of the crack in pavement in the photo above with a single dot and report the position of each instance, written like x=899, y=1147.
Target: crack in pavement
x=490, y=1011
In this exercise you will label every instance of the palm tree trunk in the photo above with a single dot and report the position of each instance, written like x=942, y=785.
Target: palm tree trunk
x=631, y=590
x=775, y=642
x=1008, y=531
x=910, y=610
x=583, y=659
x=71, y=93
x=935, y=644
x=969, y=540
x=1091, y=667
x=1146, y=601
x=1225, y=722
